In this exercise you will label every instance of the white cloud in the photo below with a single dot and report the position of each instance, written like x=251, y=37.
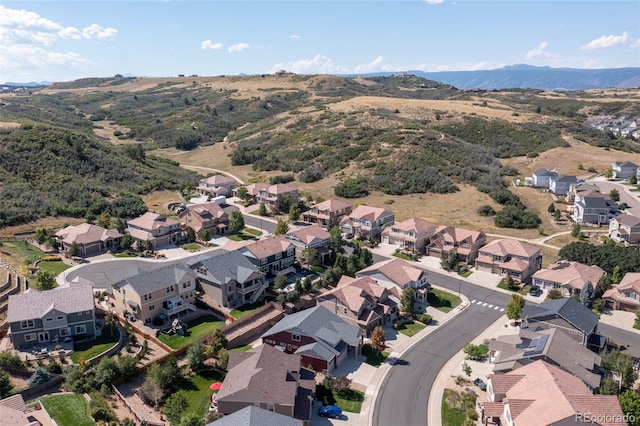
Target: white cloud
x=208, y=44
x=317, y=65
x=99, y=32
x=539, y=52
x=238, y=47
x=372, y=66
x=294, y=36
x=18, y=55
x=70, y=33
x=635, y=43
x=434, y=1
x=609, y=41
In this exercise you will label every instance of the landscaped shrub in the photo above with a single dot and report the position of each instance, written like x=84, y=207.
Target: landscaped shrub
x=424, y=318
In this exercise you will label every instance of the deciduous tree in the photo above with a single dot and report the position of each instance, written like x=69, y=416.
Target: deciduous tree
x=515, y=306
x=45, y=280
x=236, y=221
x=378, y=340
x=196, y=357
x=408, y=301
x=282, y=227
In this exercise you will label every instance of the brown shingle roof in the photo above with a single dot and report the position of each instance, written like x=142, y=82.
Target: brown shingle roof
x=628, y=220
x=332, y=205
x=281, y=188
x=150, y=220
x=603, y=407
x=630, y=281
x=416, y=224
x=574, y=274
x=369, y=213
x=501, y=383
x=397, y=270
x=457, y=235
x=255, y=188
x=268, y=247
x=307, y=234
x=356, y=293
x=217, y=180
x=506, y=247
x=86, y=233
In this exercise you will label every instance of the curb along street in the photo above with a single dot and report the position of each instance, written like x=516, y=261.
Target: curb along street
x=371, y=394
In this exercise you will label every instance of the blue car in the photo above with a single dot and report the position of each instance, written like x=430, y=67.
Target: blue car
x=330, y=411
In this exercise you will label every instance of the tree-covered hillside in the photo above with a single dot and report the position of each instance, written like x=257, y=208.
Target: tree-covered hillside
x=47, y=171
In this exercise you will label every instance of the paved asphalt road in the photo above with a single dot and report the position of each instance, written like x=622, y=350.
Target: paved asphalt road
x=632, y=201
x=402, y=398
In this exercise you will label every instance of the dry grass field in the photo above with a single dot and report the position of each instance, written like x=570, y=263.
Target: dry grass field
x=47, y=223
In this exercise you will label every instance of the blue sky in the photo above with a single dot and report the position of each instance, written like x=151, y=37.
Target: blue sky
x=61, y=41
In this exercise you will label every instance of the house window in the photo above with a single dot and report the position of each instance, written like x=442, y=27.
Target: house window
x=630, y=294
x=290, y=252
x=345, y=310
x=169, y=289
x=271, y=407
x=263, y=261
x=27, y=324
x=187, y=284
x=30, y=337
x=295, y=337
x=64, y=332
x=147, y=297
x=48, y=319
x=43, y=336
x=152, y=307
x=60, y=318
x=80, y=329
x=278, y=256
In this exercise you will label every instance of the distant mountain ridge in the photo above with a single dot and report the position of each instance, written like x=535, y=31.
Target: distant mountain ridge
x=524, y=76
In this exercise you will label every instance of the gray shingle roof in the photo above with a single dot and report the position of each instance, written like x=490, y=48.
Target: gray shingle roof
x=319, y=350
x=318, y=323
x=568, y=308
x=149, y=281
x=254, y=416
x=228, y=265
x=34, y=304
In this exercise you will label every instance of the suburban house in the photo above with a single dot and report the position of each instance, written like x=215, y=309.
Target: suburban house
x=312, y=237
x=509, y=257
x=253, y=190
x=543, y=394
x=206, y=217
x=229, y=278
x=156, y=229
x=14, y=412
x=541, y=178
x=397, y=274
x=566, y=314
x=559, y=185
x=43, y=317
x=568, y=277
x=254, y=416
x=90, y=239
x=512, y=351
x=362, y=302
x=624, y=170
x=625, y=228
x=593, y=208
x=463, y=243
x=578, y=189
x=216, y=185
x=367, y=222
x=411, y=235
x=320, y=337
x=167, y=289
x=270, y=379
x=273, y=195
x=271, y=255
x=626, y=295
x=328, y=213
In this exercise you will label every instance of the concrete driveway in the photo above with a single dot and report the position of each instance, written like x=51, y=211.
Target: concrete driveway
x=347, y=419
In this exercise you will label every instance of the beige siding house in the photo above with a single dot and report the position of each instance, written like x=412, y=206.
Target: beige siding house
x=411, y=235
x=167, y=289
x=625, y=228
x=367, y=222
x=206, y=217
x=509, y=257
x=157, y=229
x=90, y=239
x=216, y=185
x=568, y=277
x=465, y=244
x=328, y=212
x=626, y=295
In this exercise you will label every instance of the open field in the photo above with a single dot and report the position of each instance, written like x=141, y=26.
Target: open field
x=47, y=222
x=157, y=201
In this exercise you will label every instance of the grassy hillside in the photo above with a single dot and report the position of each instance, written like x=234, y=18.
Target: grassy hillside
x=386, y=135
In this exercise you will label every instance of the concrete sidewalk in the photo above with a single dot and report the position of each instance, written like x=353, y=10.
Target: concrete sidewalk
x=366, y=413
x=452, y=368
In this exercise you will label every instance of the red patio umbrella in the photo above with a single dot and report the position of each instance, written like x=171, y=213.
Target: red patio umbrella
x=215, y=386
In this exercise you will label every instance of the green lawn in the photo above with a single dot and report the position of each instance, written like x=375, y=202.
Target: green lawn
x=465, y=274
x=198, y=328
x=410, y=329
x=68, y=409
x=197, y=390
x=525, y=290
x=126, y=254
x=241, y=348
x=401, y=255
x=450, y=415
x=504, y=286
x=191, y=247
x=87, y=350
x=349, y=400
x=246, y=309
x=20, y=253
x=442, y=300
x=240, y=237
x=376, y=358
x=54, y=266
x=251, y=231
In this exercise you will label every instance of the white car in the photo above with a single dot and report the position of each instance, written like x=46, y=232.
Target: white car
x=288, y=288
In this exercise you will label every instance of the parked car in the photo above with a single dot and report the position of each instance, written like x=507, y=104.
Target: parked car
x=332, y=411
x=480, y=384
x=534, y=291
